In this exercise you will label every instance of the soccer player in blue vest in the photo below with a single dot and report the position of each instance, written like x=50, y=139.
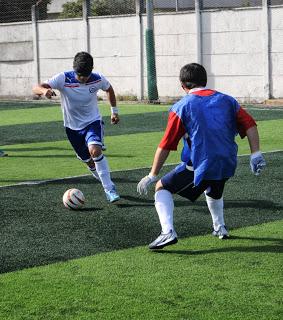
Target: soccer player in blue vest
x=208, y=121
x=82, y=120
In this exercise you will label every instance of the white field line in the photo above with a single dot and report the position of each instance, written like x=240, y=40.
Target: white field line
x=30, y=183
x=262, y=108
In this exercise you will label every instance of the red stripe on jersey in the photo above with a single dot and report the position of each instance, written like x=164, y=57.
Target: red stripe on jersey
x=205, y=92
x=71, y=85
x=173, y=133
x=88, y=83
x=244, y=122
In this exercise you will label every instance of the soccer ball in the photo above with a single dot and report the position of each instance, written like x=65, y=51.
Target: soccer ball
x=73, y=199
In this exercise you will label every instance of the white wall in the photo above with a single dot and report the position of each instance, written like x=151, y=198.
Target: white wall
x=59, y=41
x=175, y=46
x=113, y=44
x=232, y=43
x=276, y=42
x=16, y=59
x=233, y=52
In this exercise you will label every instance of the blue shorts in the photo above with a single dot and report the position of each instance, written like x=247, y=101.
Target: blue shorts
x=81, y=139
x=181, y=181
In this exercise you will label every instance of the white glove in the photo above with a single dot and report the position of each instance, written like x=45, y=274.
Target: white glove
x=257, y=162
x=145, y=183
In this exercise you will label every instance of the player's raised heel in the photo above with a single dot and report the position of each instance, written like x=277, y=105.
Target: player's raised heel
x=112, y=196
x=221, y=233
x=163, y=240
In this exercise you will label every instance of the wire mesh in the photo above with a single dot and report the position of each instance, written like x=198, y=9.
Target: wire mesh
x=235, y=39
x=20, y=10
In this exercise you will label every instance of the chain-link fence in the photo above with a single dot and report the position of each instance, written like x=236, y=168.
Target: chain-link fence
x=20, y=10
x=140, y=45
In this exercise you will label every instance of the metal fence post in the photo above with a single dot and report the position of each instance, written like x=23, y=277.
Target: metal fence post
x=150, y=54
x=86, y=7
x=140, y=54
x=266, y=49
x=36, y=66
x=198, y=6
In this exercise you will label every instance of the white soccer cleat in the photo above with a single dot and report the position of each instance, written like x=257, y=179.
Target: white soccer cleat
x=163, y=240
x=221, y=233
x=112, y=195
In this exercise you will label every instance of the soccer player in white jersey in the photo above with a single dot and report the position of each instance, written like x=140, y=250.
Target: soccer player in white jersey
x=82, y=120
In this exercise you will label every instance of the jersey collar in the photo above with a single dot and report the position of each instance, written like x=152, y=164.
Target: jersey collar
x=197, y=89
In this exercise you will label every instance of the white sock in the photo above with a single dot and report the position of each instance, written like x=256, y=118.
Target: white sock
x=165, y=206
x=102, y=169
x=216, y=208
x=94, y=173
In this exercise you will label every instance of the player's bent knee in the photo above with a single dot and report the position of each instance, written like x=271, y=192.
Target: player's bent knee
x=158, y=186
x=95, y=150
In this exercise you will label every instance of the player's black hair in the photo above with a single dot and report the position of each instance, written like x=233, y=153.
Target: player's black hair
x=193, y=75
x=83, y=64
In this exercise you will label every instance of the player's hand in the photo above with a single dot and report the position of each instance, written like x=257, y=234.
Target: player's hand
x=257, y=162
x=145, y=183
x=114, y=118
x=49, y=93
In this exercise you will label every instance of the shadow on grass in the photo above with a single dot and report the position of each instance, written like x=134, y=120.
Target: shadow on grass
x=256, y=203
x=276, y=248
x=67, y=181
x=37, y=148
x=36, y=229
x=48, y=156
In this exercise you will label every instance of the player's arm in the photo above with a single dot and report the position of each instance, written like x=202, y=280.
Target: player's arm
x=159, y=159
x=253, y=138
x=247, y=127
x=112, y=100
x=174, y=132
x=43, y=89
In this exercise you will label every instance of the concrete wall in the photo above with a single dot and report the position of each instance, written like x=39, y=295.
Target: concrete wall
x=114, y=45
x=232, y=41
x=16, y=59
x=59, y=41
x=233, y=52
x=276, y=52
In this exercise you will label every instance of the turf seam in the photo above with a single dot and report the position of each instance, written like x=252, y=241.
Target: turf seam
x=33, y=182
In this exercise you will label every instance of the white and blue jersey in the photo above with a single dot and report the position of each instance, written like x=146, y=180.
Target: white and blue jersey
x=79, y=100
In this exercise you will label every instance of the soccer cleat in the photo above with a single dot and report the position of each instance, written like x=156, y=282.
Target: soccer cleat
x=163, y=240
x=3, y=153
x=112, y=195
x=221, y=233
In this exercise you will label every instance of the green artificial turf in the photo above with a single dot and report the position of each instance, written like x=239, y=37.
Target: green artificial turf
x=54, y=130
x=53, y=113
x=56, y=159
x=94, y=263
x=199, y=278
x=37, y=229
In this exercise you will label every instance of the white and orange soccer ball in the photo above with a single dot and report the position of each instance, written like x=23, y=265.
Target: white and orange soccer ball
x=73, y=199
